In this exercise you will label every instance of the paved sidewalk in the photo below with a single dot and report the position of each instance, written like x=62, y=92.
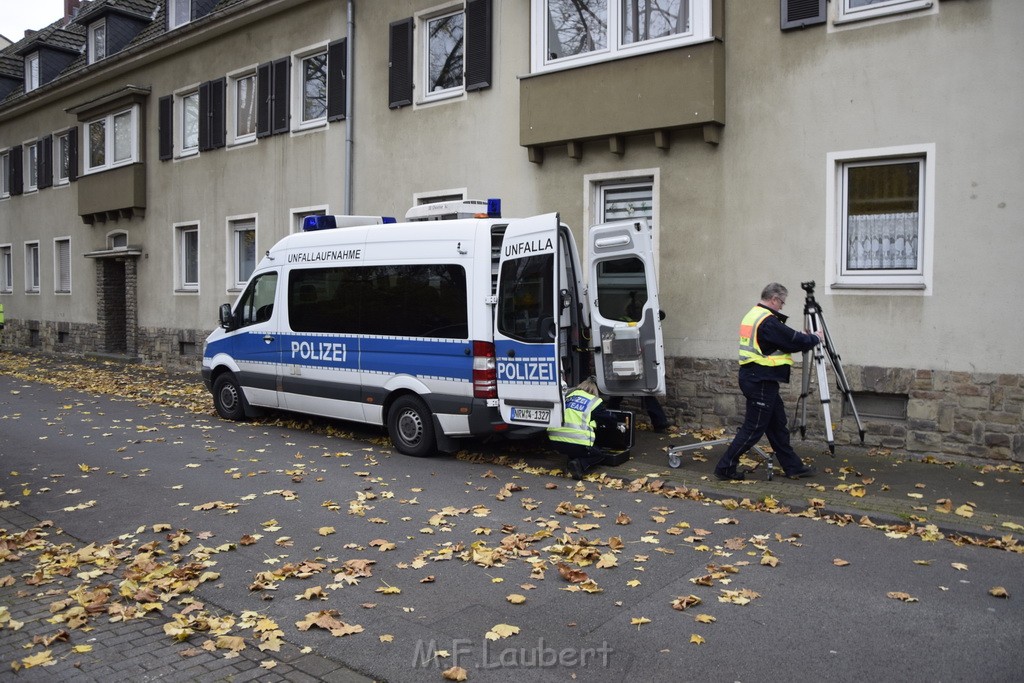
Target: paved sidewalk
x=983, y=499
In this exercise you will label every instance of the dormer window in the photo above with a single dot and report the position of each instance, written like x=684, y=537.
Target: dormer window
x=31, y=72
x=179, y=12
x=97, y=41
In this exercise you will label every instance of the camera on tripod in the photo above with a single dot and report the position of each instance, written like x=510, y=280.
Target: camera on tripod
x=808, y=286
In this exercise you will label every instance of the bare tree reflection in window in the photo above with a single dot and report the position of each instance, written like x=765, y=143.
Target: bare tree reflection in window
x=576, y=27
x=649, y=19
x=314, y=83
x=445, y=53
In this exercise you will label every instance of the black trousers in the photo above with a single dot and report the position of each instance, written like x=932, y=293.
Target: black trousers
x=588, y=456
x=765, y=416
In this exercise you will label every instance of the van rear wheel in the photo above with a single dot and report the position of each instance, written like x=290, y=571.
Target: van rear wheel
x=411, y=427
x=228, y=398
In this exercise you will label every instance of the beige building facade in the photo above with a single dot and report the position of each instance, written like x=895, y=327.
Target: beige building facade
x=870, y=147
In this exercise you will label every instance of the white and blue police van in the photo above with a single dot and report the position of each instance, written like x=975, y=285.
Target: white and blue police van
x=453, y=324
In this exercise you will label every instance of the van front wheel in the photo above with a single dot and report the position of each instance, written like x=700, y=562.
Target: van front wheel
x=228, y=398
x=411, y=427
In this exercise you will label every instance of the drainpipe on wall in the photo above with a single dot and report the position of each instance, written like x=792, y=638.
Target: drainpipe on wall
x=349, y=78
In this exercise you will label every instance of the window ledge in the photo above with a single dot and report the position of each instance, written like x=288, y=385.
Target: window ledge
x=909, y=286
x=883, y=12
x=186, y=291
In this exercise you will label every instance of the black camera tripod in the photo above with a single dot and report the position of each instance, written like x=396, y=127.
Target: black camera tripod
x=814, y=320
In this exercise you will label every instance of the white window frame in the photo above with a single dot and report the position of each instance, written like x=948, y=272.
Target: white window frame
x=594, y=186
x=5, y=180
x=917, y=282
x=845, y=12
x=421, y=66
x=181, y=99
x=110, y=237
x=32, y=276
x=32, y=69
x=94, y=29
x=108, y=141
x=57, y=271
x=6, y=268
x=299, y=58
x=30, y=161
x=172, y=12
x=234, y=78
x=457, y=194
x=61, y=174
x=236, y=225
x=182, y=285
x=299, y=214
x=700, y=32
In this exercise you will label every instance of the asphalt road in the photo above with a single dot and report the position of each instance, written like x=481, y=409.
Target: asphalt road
x=435, y=547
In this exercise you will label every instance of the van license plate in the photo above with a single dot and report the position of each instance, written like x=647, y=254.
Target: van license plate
x=531, y=415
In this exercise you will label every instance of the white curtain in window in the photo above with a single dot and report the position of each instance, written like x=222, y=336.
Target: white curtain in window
x=883, y=241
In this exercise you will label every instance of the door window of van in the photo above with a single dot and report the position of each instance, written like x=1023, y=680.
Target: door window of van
x=526, y=304
x=257, y=303
x=621, y=289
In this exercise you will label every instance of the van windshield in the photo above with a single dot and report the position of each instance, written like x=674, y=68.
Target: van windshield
x=257, y=303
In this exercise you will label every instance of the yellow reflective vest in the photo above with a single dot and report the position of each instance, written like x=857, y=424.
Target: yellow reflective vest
x=750, y=350
x=577, y=427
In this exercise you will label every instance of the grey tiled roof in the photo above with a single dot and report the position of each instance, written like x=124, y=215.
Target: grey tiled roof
x=72, y=37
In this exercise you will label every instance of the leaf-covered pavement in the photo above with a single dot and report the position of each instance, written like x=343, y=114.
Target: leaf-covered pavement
x=345, y=548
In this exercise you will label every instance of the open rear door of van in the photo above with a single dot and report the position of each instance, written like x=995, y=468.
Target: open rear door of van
x=526, y=323
x=629, y=353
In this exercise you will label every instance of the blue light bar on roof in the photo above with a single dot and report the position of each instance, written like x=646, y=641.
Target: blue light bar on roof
x=310, y=223
x=494, y=208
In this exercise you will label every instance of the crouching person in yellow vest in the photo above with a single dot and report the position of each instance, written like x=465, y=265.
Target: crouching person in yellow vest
x=575, y=438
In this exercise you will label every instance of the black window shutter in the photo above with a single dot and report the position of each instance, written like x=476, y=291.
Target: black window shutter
x=478, y=44
x=204, y=116
x=279, y=119
x=17, y=171
x=73, y=154
x=44, y=162
x=400, y=64
x=264, y=99
x=801, y=13
x=218, y=122
x=336, y=68
x=165, y=127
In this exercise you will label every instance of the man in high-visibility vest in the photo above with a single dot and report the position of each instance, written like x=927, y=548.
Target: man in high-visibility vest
x=575, y=438
x=765, y=347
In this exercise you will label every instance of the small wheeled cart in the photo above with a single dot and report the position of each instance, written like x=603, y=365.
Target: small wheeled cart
x=674, y=458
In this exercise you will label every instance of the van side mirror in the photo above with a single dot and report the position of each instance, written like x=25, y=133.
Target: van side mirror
x=227, y=321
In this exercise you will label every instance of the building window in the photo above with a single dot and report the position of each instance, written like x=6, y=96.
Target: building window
x=117, y=240
x=299, y=215
x=854, y=10
x=111, y=141
x=62, y=265
x=573, y=32
x=242, y=233
x=97, y=41
x=6, y=270
x=311, y=87
x=32, y=267
x=179, y=12
x=443, y=55
x=31, y=72
x=189, y=118
x=62, y=158
x=31, y=167
x=243, y=106
x=5, y=175
x=187, y=252
x=881, y=218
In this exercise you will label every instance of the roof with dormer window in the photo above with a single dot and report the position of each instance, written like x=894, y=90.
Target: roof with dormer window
x=145, y=10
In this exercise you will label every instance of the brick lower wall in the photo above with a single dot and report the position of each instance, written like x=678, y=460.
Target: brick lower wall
x=959, y=414
x=978, y=415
